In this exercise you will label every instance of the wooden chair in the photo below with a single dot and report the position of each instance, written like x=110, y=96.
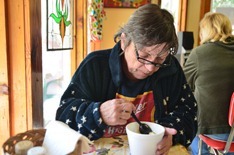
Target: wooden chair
x=219, y=146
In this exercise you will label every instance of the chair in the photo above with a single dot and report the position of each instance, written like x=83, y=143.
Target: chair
x=219, y=146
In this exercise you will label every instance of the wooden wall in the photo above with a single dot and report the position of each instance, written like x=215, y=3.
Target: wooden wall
x=21, y=100
x=15, y=65
x=4, y=97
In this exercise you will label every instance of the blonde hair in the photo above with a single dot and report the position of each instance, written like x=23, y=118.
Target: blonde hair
x=215, y=27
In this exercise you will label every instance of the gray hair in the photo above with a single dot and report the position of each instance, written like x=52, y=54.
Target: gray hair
x=150, y=25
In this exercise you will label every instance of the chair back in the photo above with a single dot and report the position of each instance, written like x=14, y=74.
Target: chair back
x=222, y=146
x=231, y=111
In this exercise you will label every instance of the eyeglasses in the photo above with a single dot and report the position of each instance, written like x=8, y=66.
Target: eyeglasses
x=147, y=62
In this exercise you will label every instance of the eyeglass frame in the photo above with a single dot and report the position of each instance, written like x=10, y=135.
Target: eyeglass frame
x=163, y=65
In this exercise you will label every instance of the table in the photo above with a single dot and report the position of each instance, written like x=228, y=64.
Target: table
x=119, y=146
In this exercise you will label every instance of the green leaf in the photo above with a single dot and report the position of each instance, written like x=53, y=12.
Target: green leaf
x=56, y=19
x=58, y=11
x=67, y=23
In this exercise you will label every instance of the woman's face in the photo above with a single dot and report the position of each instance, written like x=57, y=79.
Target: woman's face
x=136, y=70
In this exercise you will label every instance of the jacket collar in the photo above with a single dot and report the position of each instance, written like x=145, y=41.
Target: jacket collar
x=115, y=64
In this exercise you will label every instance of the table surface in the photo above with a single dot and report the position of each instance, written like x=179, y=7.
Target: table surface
x=119, y=146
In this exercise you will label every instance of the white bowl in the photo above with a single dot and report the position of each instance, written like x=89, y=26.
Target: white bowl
x=142, y=144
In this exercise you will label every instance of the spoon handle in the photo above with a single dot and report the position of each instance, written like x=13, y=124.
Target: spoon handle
x=136, y=119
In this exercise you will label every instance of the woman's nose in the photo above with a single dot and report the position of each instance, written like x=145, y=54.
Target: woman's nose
x=151, y=68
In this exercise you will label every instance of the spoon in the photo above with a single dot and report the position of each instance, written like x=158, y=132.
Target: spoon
x=143, y=128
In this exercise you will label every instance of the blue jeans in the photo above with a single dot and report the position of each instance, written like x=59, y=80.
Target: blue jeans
x=205, y=151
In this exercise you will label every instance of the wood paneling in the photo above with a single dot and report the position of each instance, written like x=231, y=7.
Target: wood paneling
x=36, y=63
x=4, y=98
x=16, y=109
x=81, y=34
x=21, y=96
x=28, y=68
x=16, y=49
x=182, y=15
x=205, y=7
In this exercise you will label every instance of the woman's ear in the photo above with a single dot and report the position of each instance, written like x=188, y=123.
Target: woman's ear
x=123, y=37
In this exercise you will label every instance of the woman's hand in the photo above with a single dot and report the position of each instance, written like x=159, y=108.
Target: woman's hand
x=116, y=111
x=165, y=144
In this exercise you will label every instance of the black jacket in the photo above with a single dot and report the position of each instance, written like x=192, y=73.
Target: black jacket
x=98, y=78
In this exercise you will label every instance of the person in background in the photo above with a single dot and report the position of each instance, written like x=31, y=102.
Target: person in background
x=209, y=70
x=139, y=74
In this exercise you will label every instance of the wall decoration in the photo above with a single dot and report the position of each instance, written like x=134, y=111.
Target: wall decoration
x=96, y=16
x=59, y=24
x=124, y=3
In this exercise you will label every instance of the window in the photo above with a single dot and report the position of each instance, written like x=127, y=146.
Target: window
x=172, y=6
x=226, y=7
x=56, y=71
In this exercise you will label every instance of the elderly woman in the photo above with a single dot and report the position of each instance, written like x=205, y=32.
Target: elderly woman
x=138, y=74
x=209, y=71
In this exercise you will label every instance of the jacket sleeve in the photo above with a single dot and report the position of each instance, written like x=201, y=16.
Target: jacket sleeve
x=179, y=108
x=79, y=105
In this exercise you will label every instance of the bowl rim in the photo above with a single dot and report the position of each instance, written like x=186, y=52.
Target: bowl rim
x=146, y=135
